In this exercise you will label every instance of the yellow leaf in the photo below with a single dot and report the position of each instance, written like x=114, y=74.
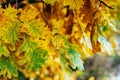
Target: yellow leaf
x=74, y=4
x=49, y=1
x=11, y=12
x=87, y=51
x=28, y=14
x=91, y=78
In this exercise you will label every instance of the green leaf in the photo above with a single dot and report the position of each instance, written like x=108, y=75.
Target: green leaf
x=64, y=59
x=75, y=59
x=34, y=28
x=49, y=1
x=105, y=45
x=21, y=76
x=27, y=47
x=37, y=59
x=103, y=28
x=70, y=56
x=8, y=67
x=34, y=55
x=11, y=33
x=3, y=50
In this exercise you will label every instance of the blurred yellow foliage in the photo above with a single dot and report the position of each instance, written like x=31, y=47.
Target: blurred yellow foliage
x=91, y=78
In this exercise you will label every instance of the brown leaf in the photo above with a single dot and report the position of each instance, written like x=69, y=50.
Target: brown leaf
x=96, y=47
x=88, y=27
x=68, y=24
x=95, y=43
x=88, y=10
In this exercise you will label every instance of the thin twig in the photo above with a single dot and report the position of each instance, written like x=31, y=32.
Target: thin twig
x=105, y=4
x=16, y=4
x=43, y=16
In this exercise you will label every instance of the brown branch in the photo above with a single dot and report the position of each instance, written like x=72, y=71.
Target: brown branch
x=105, y=4
x=43, y=16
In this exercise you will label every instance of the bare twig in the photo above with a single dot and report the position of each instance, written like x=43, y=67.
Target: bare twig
x=105, y=4
x=16, y=4
x=42, y=14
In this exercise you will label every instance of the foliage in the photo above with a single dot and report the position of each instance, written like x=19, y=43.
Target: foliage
x=8, y=67
x=67, y=30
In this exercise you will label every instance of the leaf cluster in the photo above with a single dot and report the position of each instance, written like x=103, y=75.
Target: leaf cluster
x=69, y=30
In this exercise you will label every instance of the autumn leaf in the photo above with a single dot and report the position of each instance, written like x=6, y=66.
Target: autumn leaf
x=106, y=46
x=33, y=28
x=88, y=11
x=3, y=50
x=3, y=18
x=8, y=67
x=37, y=59
x=35, y=56
x=75, y=59
x=69, y=30
x=27, y=12
x=11, y=13
x=71, y=57
x=27, y=47
x=49, y=1
x=94, y=40
x=11, y=32
x=74, y=4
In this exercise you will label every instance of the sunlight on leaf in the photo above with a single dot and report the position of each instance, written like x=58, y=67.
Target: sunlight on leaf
x=106, y=46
